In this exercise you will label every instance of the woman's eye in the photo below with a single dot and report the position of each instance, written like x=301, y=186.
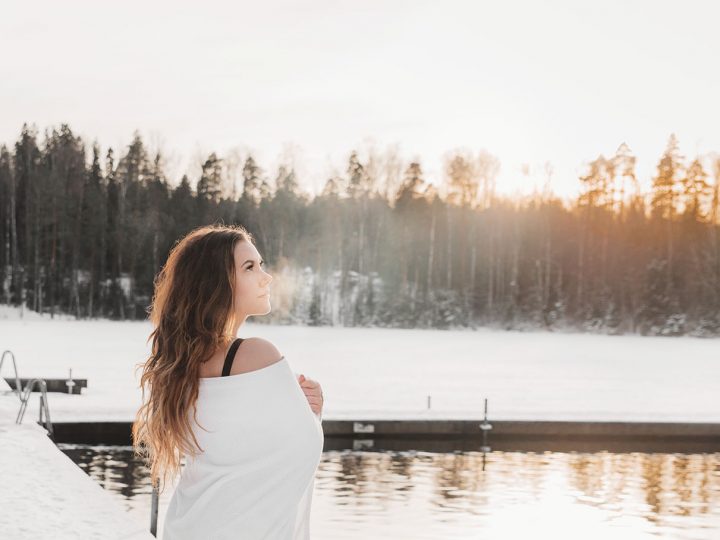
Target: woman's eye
x=249, y=268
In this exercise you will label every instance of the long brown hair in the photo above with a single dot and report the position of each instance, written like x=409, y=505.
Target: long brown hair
x=193, y=314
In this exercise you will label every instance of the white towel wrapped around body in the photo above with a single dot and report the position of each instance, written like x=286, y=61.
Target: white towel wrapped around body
x=256, y=476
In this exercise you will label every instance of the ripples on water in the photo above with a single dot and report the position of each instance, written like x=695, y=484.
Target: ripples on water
x=470, y=495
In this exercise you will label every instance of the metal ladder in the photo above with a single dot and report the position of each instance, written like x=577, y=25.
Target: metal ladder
x=24, y=396
x=17, y=378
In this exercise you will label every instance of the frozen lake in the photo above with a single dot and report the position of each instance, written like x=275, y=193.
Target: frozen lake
x=389, y=373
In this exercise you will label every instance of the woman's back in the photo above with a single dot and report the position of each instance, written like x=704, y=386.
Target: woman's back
x=261, y=450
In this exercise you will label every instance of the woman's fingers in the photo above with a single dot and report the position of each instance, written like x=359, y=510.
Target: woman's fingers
x=311, y=385
x=313, y=393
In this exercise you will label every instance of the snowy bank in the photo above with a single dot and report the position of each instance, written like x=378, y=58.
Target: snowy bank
x=372, y=373
x=44, y=494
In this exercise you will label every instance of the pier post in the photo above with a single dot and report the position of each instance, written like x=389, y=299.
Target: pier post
x=154, y=511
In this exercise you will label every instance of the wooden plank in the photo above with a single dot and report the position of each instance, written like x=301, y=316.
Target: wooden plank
x=53, y=385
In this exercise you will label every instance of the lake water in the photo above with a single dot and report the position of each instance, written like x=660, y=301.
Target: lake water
x=472, y=495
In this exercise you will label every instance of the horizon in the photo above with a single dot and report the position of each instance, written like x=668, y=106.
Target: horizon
x=193, y=172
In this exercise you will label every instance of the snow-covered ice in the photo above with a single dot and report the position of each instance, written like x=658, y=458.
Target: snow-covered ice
x=371, y=373
x=45, y=495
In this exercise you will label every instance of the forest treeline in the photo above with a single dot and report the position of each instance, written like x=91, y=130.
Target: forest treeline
x=85, y=233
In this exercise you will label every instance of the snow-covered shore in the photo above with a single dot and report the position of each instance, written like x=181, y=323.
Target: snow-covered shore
x=45, y=495
x=370, y=373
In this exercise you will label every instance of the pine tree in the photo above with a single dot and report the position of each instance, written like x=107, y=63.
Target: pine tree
x=8, y=200
x=664, y=199
x=94, y=217
x=696, y=191
x=665, y=183
x=461, y=180
x=209, y=186
x=358, y=181
x=27, y=175
x=252, y=181
x=629, y=188
x=412, y=185
x=183, y=209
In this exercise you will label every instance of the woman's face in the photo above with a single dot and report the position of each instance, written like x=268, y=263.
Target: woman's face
x=252, y=291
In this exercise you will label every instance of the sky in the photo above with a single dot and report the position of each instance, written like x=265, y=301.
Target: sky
x=307, y=82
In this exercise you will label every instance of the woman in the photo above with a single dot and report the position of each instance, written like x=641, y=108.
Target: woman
x=250, y=431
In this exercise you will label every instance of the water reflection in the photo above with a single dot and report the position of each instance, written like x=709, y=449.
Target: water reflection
x=416, y=494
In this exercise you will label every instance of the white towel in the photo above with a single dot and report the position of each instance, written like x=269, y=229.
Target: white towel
x=256, y=476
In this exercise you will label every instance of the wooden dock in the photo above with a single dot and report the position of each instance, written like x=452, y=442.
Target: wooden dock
x=450, y=435
x=53, y=385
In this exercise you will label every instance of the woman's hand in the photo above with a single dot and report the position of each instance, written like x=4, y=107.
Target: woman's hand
x=313, y=393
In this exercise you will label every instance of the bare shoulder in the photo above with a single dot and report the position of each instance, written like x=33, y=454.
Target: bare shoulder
x=254, y=353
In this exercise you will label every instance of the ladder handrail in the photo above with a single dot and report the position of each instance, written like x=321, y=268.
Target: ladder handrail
x=43, y=404
x=17, y=377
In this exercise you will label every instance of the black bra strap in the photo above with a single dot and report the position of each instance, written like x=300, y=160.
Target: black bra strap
x=230, y=357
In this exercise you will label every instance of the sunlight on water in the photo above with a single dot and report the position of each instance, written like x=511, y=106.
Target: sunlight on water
x=421, y=495
x=502, y=495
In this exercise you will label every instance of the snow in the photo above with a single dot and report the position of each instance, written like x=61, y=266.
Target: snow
x=45, y=495
x=372, y=373
x=365, y=374
x=26, y=314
